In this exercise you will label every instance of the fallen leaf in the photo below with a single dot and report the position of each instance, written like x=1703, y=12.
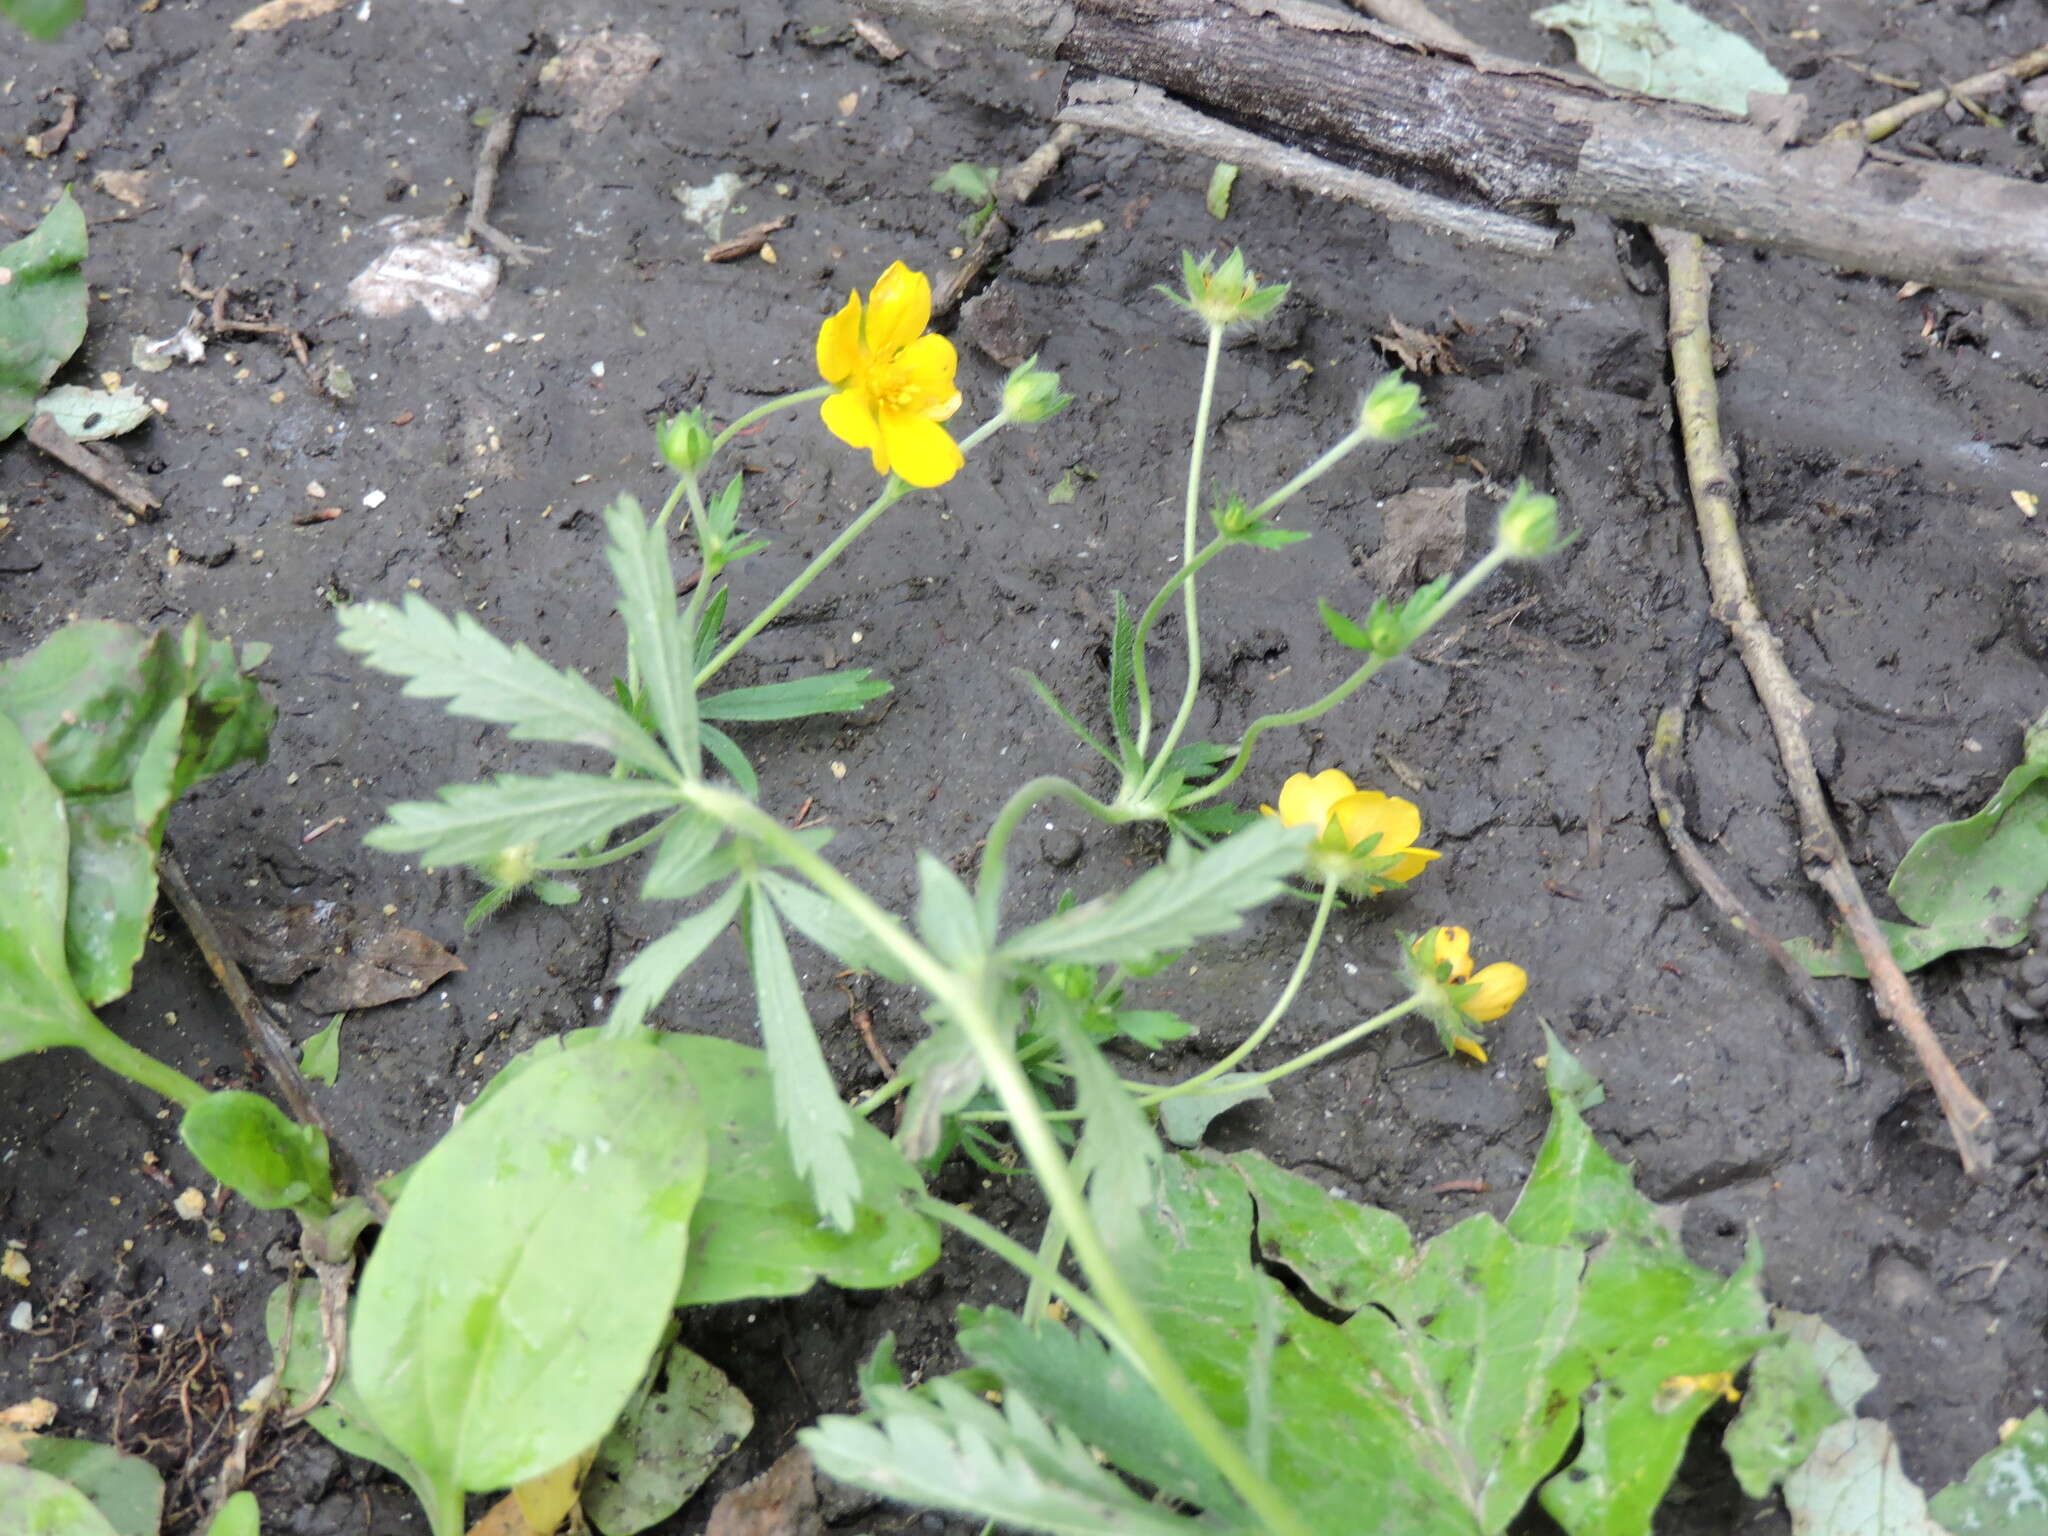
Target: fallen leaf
x=89, y=415
x=783, y=1501
x=339, y=957
x=130, y=187
x=1417, y=349
x=670, y=1439
x=448, y=281
x=1855, y=1485
x=601, y=73
x=34, y=1414
x=273, y=14
x=538, y=1506
x=1422, y=535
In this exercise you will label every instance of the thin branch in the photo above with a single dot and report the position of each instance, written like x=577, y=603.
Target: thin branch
x=1735, y=605
x=1883, y=124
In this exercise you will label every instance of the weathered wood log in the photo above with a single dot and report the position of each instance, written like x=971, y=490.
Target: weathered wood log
x=1507, y=137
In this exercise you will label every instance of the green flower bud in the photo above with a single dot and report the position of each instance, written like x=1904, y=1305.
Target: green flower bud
x=1223, y=294
x=1392, y=412
x=1032, y=394
x=685, y=441
x=1528, y=525
x=1233, y=519
x=513, y=867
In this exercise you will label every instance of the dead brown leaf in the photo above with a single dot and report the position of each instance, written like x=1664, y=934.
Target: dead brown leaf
x=783, y=1501
x=340, y=957
x=601, y=73
x=130, y=187
x=747, y=241
x=1422, y=535
x=273, y=14
x=1418, y=350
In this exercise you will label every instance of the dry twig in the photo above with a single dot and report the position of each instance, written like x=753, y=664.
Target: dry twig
x=1735, y=605
x=1883, y=124
x=490, y=159
x=1019, y=184
x=88, y=462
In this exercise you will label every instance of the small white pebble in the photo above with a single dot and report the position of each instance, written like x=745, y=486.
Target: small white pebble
x=191, y=1205
x=373, y=500
x=597, y=370
x=22, y=1318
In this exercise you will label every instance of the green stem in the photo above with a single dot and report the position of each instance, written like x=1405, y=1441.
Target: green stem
x=625, y=850
x=1335, y=1044
x=966, y=1003
x=892, y=493
x=1493, y=560
x=1025, y=1262
x=1342, y=450
x=1274, y=1015
x=988, y=889
x=1196, y=450
x=1052, y=1249
x=138, y=1066
x=882, y=1095
x=759, y=412
x=1157, y=606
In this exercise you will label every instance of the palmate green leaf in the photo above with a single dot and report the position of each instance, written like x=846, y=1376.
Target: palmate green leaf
x=1119, y=1156
x=126, y=1490
x=652, y=973
x=1191, y=896
x=341, y=1419
x=556, y=814
x=40, y=1505
x=1093, y=1392
x=666, y=1445
x=528, y=1268
x=829, y=693
x=947, y=1448
x=481, y=677
x=253, y=1147
x=42, y=303
x=2006, y=1492
x=638, y=555
x=815, y=1124
x=826, y=924
x=39, y=1005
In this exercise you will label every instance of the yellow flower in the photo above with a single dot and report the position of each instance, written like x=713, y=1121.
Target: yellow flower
x=1365, y=840
x=894, y=382
x=1454, y=997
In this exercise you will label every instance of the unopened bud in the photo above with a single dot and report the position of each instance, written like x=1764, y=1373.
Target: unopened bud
x=1528, y=525
x=685, y=441
x=1032, y=394
x=1392, y=411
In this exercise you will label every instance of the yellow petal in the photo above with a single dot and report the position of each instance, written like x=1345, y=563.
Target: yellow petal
x=839, y=344
x=928, y=364
x=1447, y=946
x=919, y=450
x=1397, y=821
x=1470, y=1047
x=1500, y=986
x=1413, y=862
x=899, y=308
x=1306, y=802
x=850, y=417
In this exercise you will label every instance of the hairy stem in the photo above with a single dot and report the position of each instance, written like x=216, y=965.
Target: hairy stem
x=988, y=886
x=760, y=412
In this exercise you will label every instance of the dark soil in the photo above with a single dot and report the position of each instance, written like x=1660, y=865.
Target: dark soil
x=1879, y=436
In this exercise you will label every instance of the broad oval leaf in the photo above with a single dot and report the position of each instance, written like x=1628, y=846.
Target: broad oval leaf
x=42, y=306
x=259, y=1151
x=126, y=1490
x=39, y=1007
x=529, y=1267
x=38, y=1504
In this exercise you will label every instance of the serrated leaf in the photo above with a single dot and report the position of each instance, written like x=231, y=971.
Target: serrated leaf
x=556, y=815
x=652, y=973
x=42, y=303
x=479, y=676
x=710, y=623
x=815, y=1124
x=948, y=919
x=826, y=924
x=689, y=857
x=1118, y=1157
x=1189, y=897
x=828, y=693
x=2006, y=1492
x=638, y=556
x=1339, y=1250
x=90, y=415
x=1123, y=652
x=1185, y=1117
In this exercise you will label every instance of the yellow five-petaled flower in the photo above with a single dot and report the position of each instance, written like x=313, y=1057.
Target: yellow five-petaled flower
x=893, y=383
x=1455, y=997
x=1365, y=840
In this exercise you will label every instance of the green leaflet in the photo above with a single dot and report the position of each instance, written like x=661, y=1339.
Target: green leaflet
x=638, y=554
x=829, y=693
x=1661, y=48
x=666, y=1444
x=39, y=1006
x=42, y=304
x=1787, y=1404
x=467, y=823
x=240, y=1516
x=265, y=1156
x=528, y=1269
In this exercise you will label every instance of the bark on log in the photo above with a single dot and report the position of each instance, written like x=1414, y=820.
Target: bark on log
x=1497, y=134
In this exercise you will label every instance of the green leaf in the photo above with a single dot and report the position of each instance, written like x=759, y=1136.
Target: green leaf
x=253, y=1147
x=1185, y=1117
x=39, y=1005
x=1217, y=198
x=728, y=755
x=945, y=1072
x=688, y=858
x=43, y=20
x=1783, y=1412
x=341, y=1419
x=1661, y=48
x=1855, y=1484
x=1576, y=1190
x=240, y=1516
x=673, y=1435
x=42, y=303
x=320, y=1056
x=89, y=415
x=1123, y=653
x=638, y=555
x=648, y=978
x=946, y=1448
x=826, y=924
x=1189, y=897
x=1119, y=1156
x=556, y=815
x=126, y=1490
x=483, y=678
x=2006, y=1492
x=1969, y=884
x=969, y=182
x=527, y=1271
x=1340, y=1251
x=828, y=693
x=1091, y=1391
x=1051, y=701
x=37, y=1504
x=1344, y=631
x=948, y=919
x=710, y=623
x=1153, y=1028
x=815, y=1124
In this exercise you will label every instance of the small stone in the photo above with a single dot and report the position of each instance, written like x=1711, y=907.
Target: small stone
x=1061, y=847
x=22, y=1318
x=191, y=1205
x=14, y=1266
x=2034, y=970
x=2019, y=1010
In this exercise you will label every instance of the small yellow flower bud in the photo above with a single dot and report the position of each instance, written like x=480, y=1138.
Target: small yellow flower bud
x=685, y=441
x=1392, y=411
x=1528, y=525
x=514, y=867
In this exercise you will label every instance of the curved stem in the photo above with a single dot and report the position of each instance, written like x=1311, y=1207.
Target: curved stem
x=1025, y=1262
x=1157, y=606
x=815, y=392
x=138, y=1066
x=966, y=1003
x=1335, y=1044
x=1052, y=1248
x=1196, y=450
x=1274, y=1015
x=882, y=1095
x=625, y=850
x=988, y=885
